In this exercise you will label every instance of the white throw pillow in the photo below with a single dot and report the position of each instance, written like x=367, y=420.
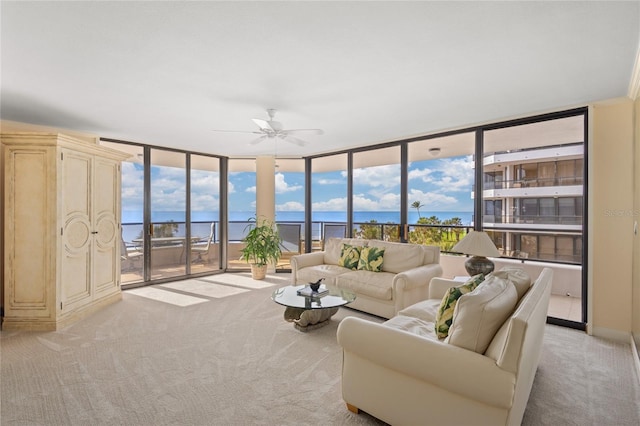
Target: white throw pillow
x=520, y=279
x=478, y=315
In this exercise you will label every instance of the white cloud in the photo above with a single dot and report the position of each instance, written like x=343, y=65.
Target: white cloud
x=360, y=203
x=290, y=206
x=330, y=181
x=205, y=182
x=282, y=186
x=433, y=200
x=204, y=202
x=447, y=175
x=378, y=176
x=386, y=202
x=250, y=189
x=332, y=205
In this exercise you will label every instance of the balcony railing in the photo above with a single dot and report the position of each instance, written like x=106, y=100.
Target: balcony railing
x=533, y=182
x=534, y=219
x=445, y=236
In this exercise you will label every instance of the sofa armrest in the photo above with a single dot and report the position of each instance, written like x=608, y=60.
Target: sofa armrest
x=416, y=277
x=439, y=286
x=307, y=259
x=463, y=372
x=304, y=260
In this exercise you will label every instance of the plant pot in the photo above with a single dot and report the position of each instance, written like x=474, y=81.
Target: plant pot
x=258, y=272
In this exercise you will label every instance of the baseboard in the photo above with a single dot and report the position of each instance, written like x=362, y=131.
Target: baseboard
x=636, y=358
x=609, y=334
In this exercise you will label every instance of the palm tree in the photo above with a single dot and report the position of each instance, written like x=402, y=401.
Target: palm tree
x=417, y=205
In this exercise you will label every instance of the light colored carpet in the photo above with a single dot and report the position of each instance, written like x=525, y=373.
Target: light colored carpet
x=232, y=360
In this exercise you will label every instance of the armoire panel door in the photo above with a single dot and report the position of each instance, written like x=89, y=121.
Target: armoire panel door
x=29, y=261
x=107, y=239
x=77, y=237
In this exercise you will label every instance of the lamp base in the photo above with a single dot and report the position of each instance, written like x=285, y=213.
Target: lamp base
x=478, y=265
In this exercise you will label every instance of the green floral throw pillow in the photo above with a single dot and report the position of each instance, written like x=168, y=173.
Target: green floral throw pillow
x=448, y=304
x=349, y=256
x=371, y=259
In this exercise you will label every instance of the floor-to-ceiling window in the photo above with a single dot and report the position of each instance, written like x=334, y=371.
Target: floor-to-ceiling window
x=170, y=213
x=242, y=208
x=440, y=179
x=167, y=229
x=376, y=194
x=205, y=214
x=526, y=189
x=132, y=213
x=534, y=211
x=289, y=208
x=329, y=196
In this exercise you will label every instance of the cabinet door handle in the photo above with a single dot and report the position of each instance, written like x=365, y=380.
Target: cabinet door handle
x=94, y=232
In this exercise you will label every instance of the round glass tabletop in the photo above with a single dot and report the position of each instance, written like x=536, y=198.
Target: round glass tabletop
x=288, y=296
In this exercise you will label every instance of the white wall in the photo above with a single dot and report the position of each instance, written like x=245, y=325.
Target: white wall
x=610, y=218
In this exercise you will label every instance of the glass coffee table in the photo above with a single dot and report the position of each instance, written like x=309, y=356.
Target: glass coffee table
x=310, y=312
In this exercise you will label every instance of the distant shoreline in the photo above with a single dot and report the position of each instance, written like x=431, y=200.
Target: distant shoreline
x=298, y=216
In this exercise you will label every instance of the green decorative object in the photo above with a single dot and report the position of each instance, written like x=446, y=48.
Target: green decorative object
x=349, y=256
x=371, y=259
x=444, y=316
x=262, y=246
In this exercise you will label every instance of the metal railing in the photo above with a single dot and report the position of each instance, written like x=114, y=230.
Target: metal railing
x=533, y=182
x=445, y=236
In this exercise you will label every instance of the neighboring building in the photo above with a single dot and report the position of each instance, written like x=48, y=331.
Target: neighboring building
x=533, y=202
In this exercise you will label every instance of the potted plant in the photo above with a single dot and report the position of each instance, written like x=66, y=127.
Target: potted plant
x=262, y=246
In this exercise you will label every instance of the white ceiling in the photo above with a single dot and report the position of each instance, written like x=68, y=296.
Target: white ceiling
x=169, y=73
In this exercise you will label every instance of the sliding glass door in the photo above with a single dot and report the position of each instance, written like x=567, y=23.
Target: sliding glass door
x=205, y=214
x=167, y=229
x=170, y=214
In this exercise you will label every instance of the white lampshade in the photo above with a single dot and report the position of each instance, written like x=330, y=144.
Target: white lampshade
x=477, y=243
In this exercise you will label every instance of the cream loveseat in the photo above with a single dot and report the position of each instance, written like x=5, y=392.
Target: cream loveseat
x=404, y=279
x=401, y=373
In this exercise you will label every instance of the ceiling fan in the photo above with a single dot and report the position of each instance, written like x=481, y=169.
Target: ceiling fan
x=271, y=129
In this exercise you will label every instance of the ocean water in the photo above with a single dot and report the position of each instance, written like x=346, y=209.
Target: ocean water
x=132, y=220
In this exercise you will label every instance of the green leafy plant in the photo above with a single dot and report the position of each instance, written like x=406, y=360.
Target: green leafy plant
x=262, y=243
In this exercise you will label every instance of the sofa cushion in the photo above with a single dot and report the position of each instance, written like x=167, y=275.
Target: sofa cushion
x=399, y=257
x=371, y=259
x=478, y=315
x=412, y=325
x=333, y=247
x=373, y=284
x=520, y=279
x=312, y=274
x=349, y=256
x=444, y=315
x=425, y=310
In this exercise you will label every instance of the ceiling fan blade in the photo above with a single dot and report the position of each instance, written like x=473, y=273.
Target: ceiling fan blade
x=311, y=131
x=294, y=140
x=258, y=140
x=262, y=124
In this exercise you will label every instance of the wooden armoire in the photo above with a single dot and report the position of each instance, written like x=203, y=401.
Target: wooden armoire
x=61, y=229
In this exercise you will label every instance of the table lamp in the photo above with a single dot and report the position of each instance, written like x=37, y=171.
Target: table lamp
x=479, y=246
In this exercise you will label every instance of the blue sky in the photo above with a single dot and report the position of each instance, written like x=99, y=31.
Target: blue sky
x=443, y=184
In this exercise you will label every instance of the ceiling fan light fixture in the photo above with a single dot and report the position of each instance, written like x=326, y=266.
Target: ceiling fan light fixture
x=272, y=129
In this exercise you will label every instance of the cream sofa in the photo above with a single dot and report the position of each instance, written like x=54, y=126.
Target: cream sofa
x=401, y=373
x=404, y=280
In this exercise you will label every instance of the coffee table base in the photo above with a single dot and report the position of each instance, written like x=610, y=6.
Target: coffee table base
x=309, y=319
